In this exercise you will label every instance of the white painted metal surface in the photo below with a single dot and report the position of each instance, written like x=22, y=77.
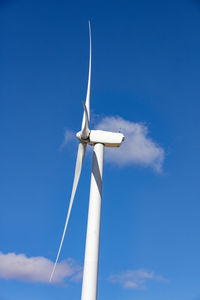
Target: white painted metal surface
x=87, y=101
x=107, y=138
x=90, y=273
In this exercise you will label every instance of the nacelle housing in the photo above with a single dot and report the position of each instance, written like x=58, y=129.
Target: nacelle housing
x=107, y=138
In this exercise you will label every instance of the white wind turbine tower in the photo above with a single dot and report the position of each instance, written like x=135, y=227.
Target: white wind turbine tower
x=98, y=139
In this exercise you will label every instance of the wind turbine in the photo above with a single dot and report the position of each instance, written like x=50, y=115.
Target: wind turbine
x=98, y=139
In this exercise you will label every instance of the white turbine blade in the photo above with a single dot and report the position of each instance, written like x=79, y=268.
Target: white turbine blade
x=86, y=131
x=87, y=101
x=79, y=163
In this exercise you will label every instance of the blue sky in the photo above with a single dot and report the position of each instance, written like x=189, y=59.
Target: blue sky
x=145, y=72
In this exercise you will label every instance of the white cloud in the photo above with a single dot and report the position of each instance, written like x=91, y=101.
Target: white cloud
x=135, y=279
x=36, y=269
x=138, y=148
x=68, y=137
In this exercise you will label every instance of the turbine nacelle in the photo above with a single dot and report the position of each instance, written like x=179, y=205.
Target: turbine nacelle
x=107, y=138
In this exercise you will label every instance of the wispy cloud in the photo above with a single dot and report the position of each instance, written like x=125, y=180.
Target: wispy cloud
x=135, y=279
x=137, y=149
x=69, y=135
x=37, y=269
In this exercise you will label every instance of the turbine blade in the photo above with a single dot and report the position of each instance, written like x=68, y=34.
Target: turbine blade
x=85, y=131
x=87, y=101
x=79, y=163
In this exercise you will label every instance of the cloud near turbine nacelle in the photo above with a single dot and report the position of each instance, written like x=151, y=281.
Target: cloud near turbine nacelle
x=137, y=149
x=68, y=137
x=36, y=269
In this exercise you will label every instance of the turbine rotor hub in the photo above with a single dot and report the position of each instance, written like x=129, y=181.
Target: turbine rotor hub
x=79, y=136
